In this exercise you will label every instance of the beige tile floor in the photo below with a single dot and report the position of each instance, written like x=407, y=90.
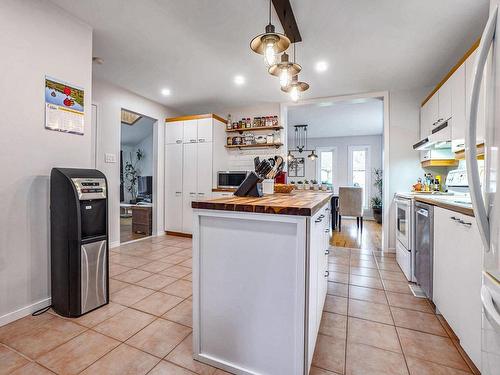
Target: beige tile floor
x=371, y=323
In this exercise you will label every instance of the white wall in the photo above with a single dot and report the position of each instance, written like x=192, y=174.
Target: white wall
x=110, y=99
x=341, y=167
x=36, y=39
x=243, y=160
x=404, y=111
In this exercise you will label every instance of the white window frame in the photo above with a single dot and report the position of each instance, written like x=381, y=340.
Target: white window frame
x=368, y=179
x=335, y=164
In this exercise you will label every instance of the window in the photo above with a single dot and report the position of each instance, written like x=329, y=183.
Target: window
x=359, y=170
x=327, y=168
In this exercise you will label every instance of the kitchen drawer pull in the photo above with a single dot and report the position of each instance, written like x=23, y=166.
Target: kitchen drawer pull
x=201, y=193
x=318, y=220
x=327, y=273
x=327, y=252
x=192, y=193
x=178, y=141
x=192, y=140
x=201, y=139
x=465, y=223
x=178, y=192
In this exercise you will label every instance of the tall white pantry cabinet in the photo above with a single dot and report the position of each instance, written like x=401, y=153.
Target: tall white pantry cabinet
x=194, y=149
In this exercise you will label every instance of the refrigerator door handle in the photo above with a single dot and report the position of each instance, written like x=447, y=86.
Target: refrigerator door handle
x=490, y=310
x=470, y=133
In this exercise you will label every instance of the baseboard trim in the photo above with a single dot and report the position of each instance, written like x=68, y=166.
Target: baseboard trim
x=24, y=311
x=114, y=244
x=179, y=234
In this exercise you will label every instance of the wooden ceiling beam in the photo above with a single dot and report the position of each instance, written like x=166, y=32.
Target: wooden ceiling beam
x=285, y=14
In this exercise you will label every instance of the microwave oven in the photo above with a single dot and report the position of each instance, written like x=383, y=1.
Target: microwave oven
x=230, y=179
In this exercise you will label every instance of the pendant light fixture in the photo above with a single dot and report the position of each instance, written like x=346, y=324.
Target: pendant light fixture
x=300, y=137
x=285, y=70
x=294, y=88
x=270, y=43
x=312, y=155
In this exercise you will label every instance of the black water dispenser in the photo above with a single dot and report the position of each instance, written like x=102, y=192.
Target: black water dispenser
x=79, y=240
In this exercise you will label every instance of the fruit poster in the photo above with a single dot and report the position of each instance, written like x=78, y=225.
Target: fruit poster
x=63, y=107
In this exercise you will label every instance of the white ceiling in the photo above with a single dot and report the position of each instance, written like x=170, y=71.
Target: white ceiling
x=196, y=47
x=133, y=134
x=338, y=119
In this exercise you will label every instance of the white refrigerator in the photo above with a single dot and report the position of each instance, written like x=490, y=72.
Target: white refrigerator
x=486, y=198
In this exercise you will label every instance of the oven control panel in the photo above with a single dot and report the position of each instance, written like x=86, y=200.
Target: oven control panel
x=90, y=188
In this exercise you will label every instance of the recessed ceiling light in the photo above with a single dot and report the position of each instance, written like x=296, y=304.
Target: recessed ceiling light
x=321, y=66
x=165, y=92
x=239, y=80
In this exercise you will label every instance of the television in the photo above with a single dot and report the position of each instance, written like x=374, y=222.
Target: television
x=145, y=185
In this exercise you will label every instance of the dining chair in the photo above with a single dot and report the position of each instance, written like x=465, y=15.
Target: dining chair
x=351, y=204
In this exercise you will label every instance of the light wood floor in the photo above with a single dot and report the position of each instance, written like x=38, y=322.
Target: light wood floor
x=126, y=233
x=351, y=236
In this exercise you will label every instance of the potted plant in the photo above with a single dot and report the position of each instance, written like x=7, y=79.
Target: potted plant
x=376, y=201
x=131, y=173
x=306, y=185
x=300, y=185
x=315, y=184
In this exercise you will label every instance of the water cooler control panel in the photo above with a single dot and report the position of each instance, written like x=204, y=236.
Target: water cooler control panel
x=90, y=188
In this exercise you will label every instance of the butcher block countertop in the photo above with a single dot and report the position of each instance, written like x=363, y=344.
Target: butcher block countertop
x=300, y=203
x=447, y=204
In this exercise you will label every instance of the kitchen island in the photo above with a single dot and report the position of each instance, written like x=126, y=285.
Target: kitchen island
x=260, y=268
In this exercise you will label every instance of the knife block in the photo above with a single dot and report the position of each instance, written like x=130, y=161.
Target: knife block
x=250, y=187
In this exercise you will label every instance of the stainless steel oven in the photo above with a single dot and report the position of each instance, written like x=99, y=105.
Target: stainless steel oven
x=230, y=179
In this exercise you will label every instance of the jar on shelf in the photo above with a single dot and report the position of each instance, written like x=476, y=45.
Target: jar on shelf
x=229, y=141
x=275, y=121
x=277, y=137
x=249, y=139
x=270, y=139
x=229, y=124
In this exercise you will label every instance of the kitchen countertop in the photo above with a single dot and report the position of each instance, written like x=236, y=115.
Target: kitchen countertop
x=452, y=202
x=446, y=203
x=300, y=203
x=223, y=190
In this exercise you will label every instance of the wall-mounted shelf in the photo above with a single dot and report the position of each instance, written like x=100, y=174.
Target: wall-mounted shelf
x=263, y=145
x=439, y=163
x=260, y=128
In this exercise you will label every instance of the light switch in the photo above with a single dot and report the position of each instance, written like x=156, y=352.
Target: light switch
x=109, y=158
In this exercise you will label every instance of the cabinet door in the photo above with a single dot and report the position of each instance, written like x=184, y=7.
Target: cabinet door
x=444, y=101
x=173, y=132
x=205, y=130
x=481, y=114
x=173, y=187
x=189, y=184
x=457, y=83
x=204, y=166
x=457, y=277
x=424, y=121
x=190, y=131
x=433, y=104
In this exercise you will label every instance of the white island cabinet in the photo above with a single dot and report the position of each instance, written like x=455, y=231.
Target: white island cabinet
x=259, y=281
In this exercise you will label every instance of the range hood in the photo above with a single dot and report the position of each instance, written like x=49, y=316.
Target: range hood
x=439, y=138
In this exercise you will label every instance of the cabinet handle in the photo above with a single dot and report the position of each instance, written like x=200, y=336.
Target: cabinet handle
x=178, y=141
x=318, y=220
x=321, y=216
x=192, y=193
x=192, y=140
x=201, y=193
x=178, y=192
x=327, y=252
x=454, y=218
x=201, y=139
x=327, y=230
x=465, y=223
x=327, y=273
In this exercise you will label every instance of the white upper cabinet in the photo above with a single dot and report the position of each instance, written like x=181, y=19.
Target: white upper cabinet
x=191, y=131
x=433, y=105
x=424, y=121
x=457, y=83
x=481, y=114
x=205, y=126
x=444, y=99
x=173, y=132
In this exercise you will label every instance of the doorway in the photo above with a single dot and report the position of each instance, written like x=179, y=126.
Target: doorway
x=345, y=146
x=137, y=173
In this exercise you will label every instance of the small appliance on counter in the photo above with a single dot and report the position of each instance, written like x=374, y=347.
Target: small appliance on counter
x=230, y=179
x=79, y=240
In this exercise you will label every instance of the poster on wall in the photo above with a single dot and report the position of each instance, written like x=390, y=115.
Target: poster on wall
x=296, y=168
x=63, y=107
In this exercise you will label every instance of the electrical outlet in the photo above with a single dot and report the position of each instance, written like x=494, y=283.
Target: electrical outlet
x=110, y=158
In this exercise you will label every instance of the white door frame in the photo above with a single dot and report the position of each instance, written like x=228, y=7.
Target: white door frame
x=368, y=149
x=335, y=162
x=384, y=96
